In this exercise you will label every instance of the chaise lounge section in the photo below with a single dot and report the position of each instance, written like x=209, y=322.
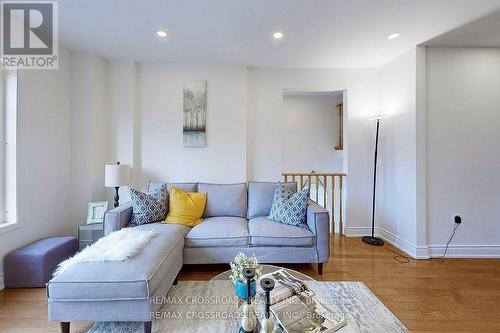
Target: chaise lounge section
x=235, y=220
x=119, y=290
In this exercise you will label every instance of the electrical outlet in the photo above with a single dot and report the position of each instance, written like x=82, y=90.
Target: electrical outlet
x=457, y=219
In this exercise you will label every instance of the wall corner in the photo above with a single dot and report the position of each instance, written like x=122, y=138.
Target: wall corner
x=421, y=151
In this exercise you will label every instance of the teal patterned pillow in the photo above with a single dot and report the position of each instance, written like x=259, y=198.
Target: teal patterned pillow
x=149, y=207
x=290, y=207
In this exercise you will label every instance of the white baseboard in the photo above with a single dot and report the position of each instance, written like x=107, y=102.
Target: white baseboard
x=416, y=252
x=426, y=252
x=357, y=231
x=465, y=251
x=400, y=243
x=2, y=285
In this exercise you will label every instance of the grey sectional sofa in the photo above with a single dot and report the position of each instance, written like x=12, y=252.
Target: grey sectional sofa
x=234, y=220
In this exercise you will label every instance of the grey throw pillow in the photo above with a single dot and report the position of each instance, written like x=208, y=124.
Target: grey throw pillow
x=149, y=207
x=290, y=207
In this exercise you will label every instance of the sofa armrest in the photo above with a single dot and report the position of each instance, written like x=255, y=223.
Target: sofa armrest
x=318, y=221
x=117, y=218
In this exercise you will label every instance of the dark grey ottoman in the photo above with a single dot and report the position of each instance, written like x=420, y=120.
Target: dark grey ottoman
x=33, y=264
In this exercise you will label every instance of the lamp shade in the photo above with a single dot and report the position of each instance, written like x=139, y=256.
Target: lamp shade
x=116, y=175
x=379, y=117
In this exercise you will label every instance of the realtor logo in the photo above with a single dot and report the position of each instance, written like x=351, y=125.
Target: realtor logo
x=29, y=34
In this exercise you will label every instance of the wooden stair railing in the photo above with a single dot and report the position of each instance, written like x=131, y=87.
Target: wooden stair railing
x=329, y=182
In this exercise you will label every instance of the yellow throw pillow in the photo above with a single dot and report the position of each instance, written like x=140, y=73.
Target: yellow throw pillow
x=186, y=207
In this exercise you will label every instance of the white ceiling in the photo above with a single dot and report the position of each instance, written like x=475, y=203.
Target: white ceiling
x=484, y=32
x=319, y=33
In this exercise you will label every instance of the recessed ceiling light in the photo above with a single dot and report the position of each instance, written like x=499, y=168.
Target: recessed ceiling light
x=277, y=35
x=393, y=35
x=161, y=33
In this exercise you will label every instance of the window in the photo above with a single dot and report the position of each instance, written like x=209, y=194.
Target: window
x=8, y=149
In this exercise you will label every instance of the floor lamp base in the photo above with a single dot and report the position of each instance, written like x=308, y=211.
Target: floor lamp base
x=372, y=240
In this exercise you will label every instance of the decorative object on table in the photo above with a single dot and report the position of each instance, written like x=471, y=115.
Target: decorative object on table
x=195, y=113
x=248, y=321
x=88, y=234
x=372, y=240
x=31, y=266
x=240, y=262
x=267, y=324
x=116, y=175
x=96, y=211
x=149, y=207
x=186, y=207
x=297, y=307
x=290, y=207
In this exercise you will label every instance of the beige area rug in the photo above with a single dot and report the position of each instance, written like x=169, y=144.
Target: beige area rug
x=211, y=307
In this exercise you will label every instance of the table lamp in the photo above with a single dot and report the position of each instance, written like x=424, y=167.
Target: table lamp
x=116, y=175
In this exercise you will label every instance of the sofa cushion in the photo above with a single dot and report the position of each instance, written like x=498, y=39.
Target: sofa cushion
x=186, y=207
x=219, y=231
x=260, y=197
x=290, y=207
x=264, y=232
x=136, y=278
x=149, y=207
x=186, y=187
x=225, y=199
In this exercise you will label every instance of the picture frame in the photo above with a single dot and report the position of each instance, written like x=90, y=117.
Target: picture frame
x=96, y=211
x=195, y=113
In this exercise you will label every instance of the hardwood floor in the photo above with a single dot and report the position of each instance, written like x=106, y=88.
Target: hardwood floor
x=441, y=295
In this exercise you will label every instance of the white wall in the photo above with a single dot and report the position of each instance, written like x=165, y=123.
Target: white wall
x=438, y=153
x=132, y=113
x=160, y=110
x=44, y=157
x=89, y=131
x=396, y=209
x=124, y=136
x=311, y=125
x=463, y=151
x=265, y=126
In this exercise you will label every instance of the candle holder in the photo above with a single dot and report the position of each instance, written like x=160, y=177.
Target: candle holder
x=267, y=324
x=248, y=322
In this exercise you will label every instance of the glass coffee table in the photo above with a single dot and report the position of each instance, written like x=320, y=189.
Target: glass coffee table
x=210, y=307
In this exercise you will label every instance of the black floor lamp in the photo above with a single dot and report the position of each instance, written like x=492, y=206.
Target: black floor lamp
x=372, y=240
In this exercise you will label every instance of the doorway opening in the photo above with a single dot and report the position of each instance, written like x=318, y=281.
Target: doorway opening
x=313, y=148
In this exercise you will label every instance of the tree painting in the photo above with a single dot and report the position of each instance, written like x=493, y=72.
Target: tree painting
x=195, y=113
